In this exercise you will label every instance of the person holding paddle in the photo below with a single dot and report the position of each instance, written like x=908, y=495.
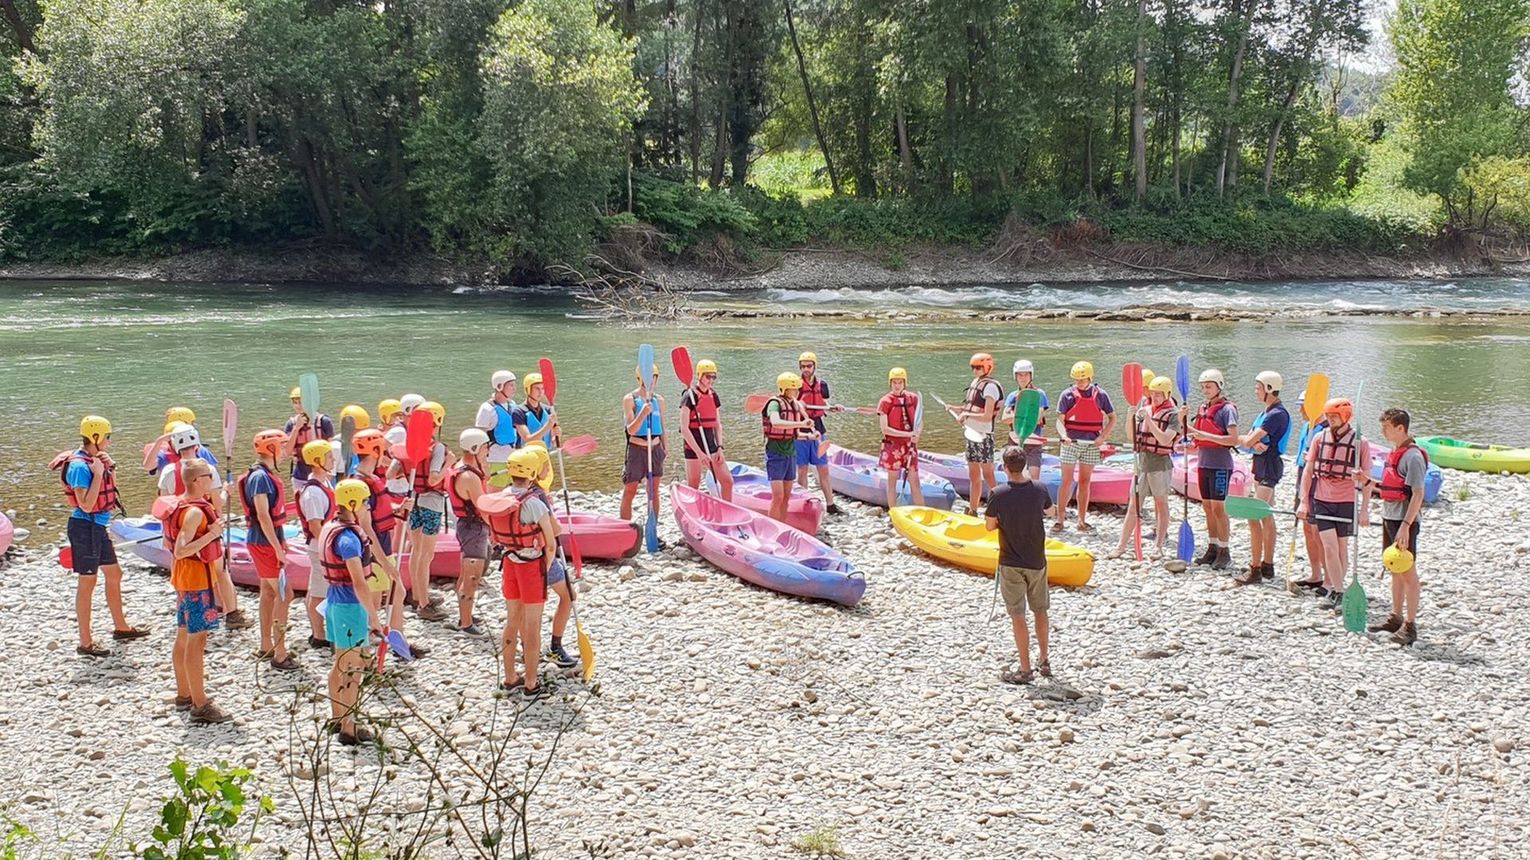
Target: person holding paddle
x=1157, y=431
x=194, y=530
x=427, y=519
x=899, y=411
x=785, y=421
x=1085, y=417
x=1328, y=480
x=1025, y=375
x=1312, y=541
x=523, y=525
x=643, y=408
x=1214, y=434
x=534, y=420
x=1402, y=501
x=263, y=498
x=979, y=407
x=814, y=452
x=465, y=484
x=300, y=431
x=351, y=612
x=496, y=417
x=90, y=489
x=1267, y=440
x=701, y=428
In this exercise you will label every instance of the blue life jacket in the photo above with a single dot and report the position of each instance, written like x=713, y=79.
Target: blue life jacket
x=504, y=427
x=535, y=423
x=653, y=424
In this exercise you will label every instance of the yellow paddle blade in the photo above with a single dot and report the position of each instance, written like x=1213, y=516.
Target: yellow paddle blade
x=586, y=652
x=378, y=580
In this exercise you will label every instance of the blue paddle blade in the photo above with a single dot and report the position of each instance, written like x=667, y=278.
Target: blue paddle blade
x=1186, y=543
x=651, y=531
x=400, y=645
x=1182, y=377
x=645, y=362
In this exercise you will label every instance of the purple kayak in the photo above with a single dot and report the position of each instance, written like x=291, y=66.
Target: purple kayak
x=751, y=489
x=763, y=552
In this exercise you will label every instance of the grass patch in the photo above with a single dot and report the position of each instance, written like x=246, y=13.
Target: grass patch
x=1463, y=492
x=819, y=842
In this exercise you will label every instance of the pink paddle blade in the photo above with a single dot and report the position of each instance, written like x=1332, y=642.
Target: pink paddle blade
x=579, y=446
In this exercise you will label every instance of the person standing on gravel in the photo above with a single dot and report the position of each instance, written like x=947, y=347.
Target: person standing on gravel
x=1332, y=462
x=1085, y=417
x=1025, y=374
x=897, y=411
x=983, y=401
x=1267, y=440
x=299, y=433
x=1157, y=431
x=813, y=453
x=785, y=422
x=1018, y=512
x=1214, y=433
x=1402, y=501
x=496, y=417
x=193, y=530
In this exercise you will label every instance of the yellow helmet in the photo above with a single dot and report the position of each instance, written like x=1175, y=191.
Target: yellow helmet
x=523, y=464
x=179, y=413
x=1396, y=559
x=387, y=409
x=358, y=413
x=1082, y=370
x=706, y=365
x=530, y=380
x=95, y=428
x=351, y=494
x=1147, y=377
x=435, y=409
x=1161, y=383
x=788, y=381
x=897, y=373
x=315, y=453
x=295, y=394
x=808, y=357
x=543, y=459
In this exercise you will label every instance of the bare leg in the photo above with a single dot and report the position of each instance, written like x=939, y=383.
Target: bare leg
x=724, y=479
x=1410, y=593
x=564, y=610
x=826, y=485
x=114, y=595
x=1064, y=493
x=915, y=488
x=1314, y=543
x=531, y=639
x=1022, y=641
x=267, y=617
x=467, y=589
x=975, y=486
x=510, y=636
x=195, y=659
x=84, y=590
x=629, y=492
x=892, y=487
x=1085, y=474
x=1043, y=627
x=1161, y=509
x=178, y=660
x=991, y=480
x=1128, y=525
x=693, y=473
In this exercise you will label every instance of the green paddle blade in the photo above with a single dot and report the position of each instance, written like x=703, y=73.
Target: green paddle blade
x=1248, y=508
x=308, y=389
x=1354, y=606
x=1027, y=413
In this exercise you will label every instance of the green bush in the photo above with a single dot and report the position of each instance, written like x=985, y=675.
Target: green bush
x=688, y=214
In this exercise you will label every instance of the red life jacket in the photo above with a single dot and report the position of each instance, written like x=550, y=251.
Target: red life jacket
x=507, y=530
x=1085, y=415
x=790, y=411
x=814, y=393
x=1205, y=421
x=106, y=499
x=384, y=503
x=704, y=410
x=172, y=522
x=173, y=463
x=461, y=507
x=901, y=416
x=1393, y=487
x=335, y=570
x=1163, y=415
x=1336, y=455
x=278, y=507
x=422, y=482
x=329, y=513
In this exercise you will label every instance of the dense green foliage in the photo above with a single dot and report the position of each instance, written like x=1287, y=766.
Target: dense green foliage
x=519, y=131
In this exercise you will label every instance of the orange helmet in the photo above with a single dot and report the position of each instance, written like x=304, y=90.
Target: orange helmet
x=1340, y=406
x=369, y=443
x=269, y=443
x=982, y=360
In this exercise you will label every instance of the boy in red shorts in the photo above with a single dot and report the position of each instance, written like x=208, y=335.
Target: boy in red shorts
x=193, y=529
x=527, y=533
x=900, y=437
x=263, y=497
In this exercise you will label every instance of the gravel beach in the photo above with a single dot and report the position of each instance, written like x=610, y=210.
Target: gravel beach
x=1188, y=716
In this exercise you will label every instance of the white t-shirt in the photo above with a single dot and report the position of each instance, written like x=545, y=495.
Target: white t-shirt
x=435, y=500
x=396, y=435
x=314, y=505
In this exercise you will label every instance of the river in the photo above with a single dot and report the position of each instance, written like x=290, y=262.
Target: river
x=129, y=350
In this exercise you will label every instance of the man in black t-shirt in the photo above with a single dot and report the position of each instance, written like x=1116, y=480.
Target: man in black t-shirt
x=1018, y=511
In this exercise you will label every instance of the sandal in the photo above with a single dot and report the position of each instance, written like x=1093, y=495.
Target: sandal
x=130, y=633
x=92, y=650
x=1045, y=668
x=1024, y=676
x=511, y=686
x=1085, y=527
x=1057, y=528
x=1116, y=554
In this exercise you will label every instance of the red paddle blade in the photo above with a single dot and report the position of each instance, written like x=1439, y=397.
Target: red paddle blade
x=680, y=357
x=549, y=379
x=756, y=402
x=579, y=446
x=66, y=556
x=1131, y=382
x=573, y=550
x=421, y=431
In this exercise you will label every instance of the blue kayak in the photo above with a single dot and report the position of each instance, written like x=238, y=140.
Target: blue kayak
x=859, y=476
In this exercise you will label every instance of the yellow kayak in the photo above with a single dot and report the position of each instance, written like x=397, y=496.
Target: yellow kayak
x=966, y=542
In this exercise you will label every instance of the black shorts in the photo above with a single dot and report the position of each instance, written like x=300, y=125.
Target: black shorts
x=1268, y=471
x=1340, y=516
x=91, y=546
x=1213, y=484
x=707, y=436
x=1389, y=530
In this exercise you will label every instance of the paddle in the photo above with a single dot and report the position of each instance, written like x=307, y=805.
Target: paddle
x=550, y=393
x=756, y=403
x=648, y=370
x=1248, y=508
x=347, y=449
x=230, y=430
x=1186, y=549
x=969, y=433
x=1131, y=387
x=1354, y=596
x=308, y=389
x=579, y=446
x=1312, y=408
x=419, y=440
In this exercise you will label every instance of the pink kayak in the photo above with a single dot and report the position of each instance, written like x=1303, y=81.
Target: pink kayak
x=751, y=489
x=763, y=552
x=1241, y=480
x=1108, y=485
x=7, y=534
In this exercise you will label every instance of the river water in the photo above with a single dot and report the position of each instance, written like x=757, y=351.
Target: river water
x=129, y=350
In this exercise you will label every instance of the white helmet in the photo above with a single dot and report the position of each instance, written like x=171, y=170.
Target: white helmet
x=411, y=402
x=183, y=436
x=1211, y=374
x=1272, y=380
x=501, y=377
x=1024, y=365
x=472, y=439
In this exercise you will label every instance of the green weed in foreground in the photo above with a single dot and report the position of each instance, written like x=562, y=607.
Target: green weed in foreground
x=820, y=842
x=200, y=820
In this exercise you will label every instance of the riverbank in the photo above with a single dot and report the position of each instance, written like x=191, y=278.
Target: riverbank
x=1188, y=716
x=790, y=269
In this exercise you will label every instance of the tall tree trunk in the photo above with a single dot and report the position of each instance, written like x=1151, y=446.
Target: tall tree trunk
x=1139, y=123
x=905, y=152
x=807, y=90
x=1275, y=128
x=1234, y=79
x=947, y=167
x=724, y=94
x=19, y=26
x=695, y=132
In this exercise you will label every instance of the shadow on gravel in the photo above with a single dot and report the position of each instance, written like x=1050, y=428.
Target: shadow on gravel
x=1443, y=654
x=1061, y=697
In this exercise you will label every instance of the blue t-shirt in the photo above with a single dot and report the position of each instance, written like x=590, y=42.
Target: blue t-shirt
x=1014, y=398
x=1276, y=423
x=1219, y=457
x=347, y=547
x=203, y=454
x=1070, y=397
x=301, y=470
x=258, y=484
x=77, y=475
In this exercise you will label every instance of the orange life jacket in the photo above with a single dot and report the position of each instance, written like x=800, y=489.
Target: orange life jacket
x=1146, y=442
x=1205, y=421
x=278, y=507
x=335, y=570
x=507, y=530
x=1393, y=487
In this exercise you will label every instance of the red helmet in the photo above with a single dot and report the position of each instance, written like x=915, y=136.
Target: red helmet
x=269, y=443
x=982, y=360
x=369, y=443
x=1340, y=406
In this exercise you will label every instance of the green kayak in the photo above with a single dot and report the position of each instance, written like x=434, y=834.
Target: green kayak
x=1450, y=453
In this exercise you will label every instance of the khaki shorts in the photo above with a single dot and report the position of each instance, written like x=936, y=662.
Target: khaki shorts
x=1022, y=586
x=1154, y=484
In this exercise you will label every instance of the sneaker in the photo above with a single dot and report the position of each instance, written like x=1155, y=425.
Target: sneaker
x=1223, y=559
x=1407, y=635
x=1333, y=601
x=317, y=643
x=183, y=703
x=1209, y=556
x=1314, y=584
x=833, y=509
x=237, y=620
x=1251, y=576
x=362, y=736
x=287, y=665
x=473, y=629
x=429, y=613
x=1267, y=570
x=556, y=654
x=1391, y=625
x=210, y=714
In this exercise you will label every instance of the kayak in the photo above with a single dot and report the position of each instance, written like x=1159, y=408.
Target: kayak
x=7, y=534
x=763, y=552
x=1108, y=485
x=1434, y=478
x=1475, y=456
x=859, y=476
x=751, y=489
x=966, y=542
x=1242, y=477
x=142, y=537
